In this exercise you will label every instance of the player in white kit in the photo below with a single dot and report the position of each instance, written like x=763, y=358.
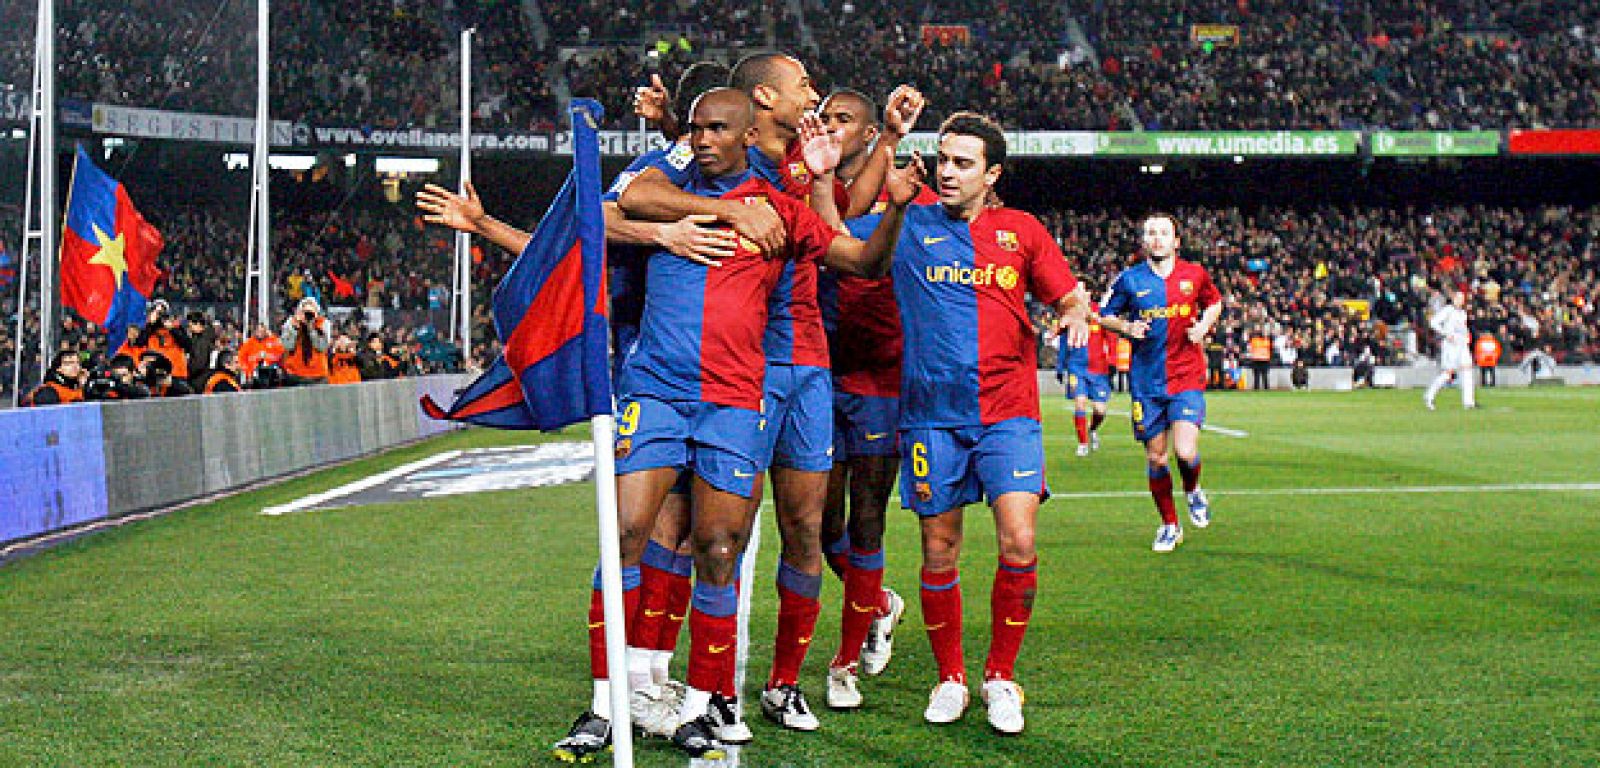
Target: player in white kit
x=1455, y=350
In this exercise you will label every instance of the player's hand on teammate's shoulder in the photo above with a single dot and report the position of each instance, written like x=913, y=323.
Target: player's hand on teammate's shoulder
x=694, y=238
x=759, y=223
x=905, y=182
x=1136, y=329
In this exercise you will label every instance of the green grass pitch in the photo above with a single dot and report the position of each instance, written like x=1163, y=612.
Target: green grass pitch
x=1370, y=629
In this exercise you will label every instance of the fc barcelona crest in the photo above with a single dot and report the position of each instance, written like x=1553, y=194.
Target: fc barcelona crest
x=1186, y=287
x=1006, y=239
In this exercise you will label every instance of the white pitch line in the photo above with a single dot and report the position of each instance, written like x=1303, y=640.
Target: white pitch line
x=359, y=485
x=1398, y=489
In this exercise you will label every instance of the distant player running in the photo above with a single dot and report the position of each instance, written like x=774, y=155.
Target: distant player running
x=1167, y=306
x=1086, y=373
x=969, y=399
x=1455, y=354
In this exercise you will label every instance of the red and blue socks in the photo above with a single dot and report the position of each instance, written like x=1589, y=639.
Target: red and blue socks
x=1010, y=607
x=1080, y=420
x=597, y=618
x=713, y=628
x=837, y=553
x=1161, y=491
x=863, y=602
x=941, y=613
x=798, y=607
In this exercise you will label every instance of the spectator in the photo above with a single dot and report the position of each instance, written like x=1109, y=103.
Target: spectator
x=305, y=344
x=63, y=384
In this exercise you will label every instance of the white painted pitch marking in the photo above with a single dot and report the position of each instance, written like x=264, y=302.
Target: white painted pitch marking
x=359, y=485
x=1354, y=491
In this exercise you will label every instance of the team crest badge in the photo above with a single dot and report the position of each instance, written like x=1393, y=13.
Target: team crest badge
x=680, y=156
x=1006, y=239
x=1185, y=286
x=924, y=492
x=624, y=447
x=800, y=173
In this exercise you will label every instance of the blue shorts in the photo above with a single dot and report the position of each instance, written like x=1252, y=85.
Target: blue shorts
x=951, y=467
x=1154, y=414
x=864, y=425
x=724, y=445
x=799, y=406
x=1095, y=386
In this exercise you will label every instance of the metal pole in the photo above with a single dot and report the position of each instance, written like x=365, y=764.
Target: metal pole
x=49, y=212
x=30, y=217
x=463, y=240
x=262, y=194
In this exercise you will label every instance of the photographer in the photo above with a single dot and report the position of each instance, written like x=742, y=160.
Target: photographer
x=116, y=382
x=305, y=343
x=343, y=365
x=261, y=351
x=375, y=365
x=162, y=335
x=158, y=377
x=62, y=384
x=225, y=377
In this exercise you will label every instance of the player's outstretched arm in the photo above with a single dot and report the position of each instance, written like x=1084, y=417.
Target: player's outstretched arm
x=870, y=258
x=465, y=214
x=653, y=197
x=1072, y=317
x=900, y=115
x=653, y=102
x=822, y=152
x=1208, y=319
x=691, y=237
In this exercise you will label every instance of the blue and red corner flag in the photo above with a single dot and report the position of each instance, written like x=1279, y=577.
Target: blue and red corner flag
x=550, y=311
x=108, y=253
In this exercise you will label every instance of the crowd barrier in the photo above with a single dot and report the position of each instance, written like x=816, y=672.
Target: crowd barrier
x=65, y=465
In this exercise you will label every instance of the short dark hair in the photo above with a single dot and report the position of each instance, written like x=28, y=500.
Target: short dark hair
x=700, y=77
x=746, y=105
x=982, y=127
x=755, y=69
x=866, y=103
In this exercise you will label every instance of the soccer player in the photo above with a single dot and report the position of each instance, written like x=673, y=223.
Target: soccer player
x=1455, y=353
x=969, y=400
x=1167, y=306
x=1086, y=373
x=865, y=345
x=798, y=394
x=690, y=396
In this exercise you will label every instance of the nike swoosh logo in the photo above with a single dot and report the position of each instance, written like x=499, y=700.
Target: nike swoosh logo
x=596, y=624
x=804, y=640
x=1188, y=412
x=935, y=627
x=717, y=648
x=1029, y=473
x=863, y=608
x=737, y=473
x=652, y=614
x=876, y=436
x=1011, y=623
x=674, y=617
x=933, y=240
x=1144, y=293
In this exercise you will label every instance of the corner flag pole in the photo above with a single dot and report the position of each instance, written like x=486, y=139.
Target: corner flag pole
x=45, y=109
x=463, y=277
x=586, y=162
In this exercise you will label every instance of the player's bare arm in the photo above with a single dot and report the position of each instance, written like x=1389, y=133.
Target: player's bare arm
x=822, y=152
x=692, y=237
x=1208, y=319
x=900, y=115
x=653, y=102
x=1072, y=317
x=870, y=258
x=653, y=197
x=466, y=214
x=1135, y=329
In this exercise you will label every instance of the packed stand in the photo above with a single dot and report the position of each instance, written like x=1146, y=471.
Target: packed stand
x=1327, y=284
x=161, y=54
x=714, y=23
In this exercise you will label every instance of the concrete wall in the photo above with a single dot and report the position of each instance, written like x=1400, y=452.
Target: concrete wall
x=70, y=464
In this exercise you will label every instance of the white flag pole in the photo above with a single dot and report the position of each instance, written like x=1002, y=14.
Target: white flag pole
x=605, y=498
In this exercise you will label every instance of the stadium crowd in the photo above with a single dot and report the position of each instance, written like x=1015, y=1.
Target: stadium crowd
x=1421, y=64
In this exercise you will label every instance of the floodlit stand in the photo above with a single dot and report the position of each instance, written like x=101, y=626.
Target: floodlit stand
x=40, y=210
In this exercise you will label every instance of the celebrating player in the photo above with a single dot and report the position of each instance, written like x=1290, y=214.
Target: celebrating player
x=1167, y=306
x=1086, y=372
x=969, y=400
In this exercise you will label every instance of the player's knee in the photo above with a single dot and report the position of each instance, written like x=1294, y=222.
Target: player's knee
x=631, y=538
x=1156, y=460
x=1016, y=546
x=940, y=552
x=802, y=539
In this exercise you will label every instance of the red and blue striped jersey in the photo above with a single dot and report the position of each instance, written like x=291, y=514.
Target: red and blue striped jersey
x=1093, y=358
x=970, y=354
x=1165, y=361
x=702, y=329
